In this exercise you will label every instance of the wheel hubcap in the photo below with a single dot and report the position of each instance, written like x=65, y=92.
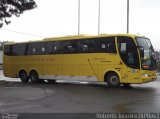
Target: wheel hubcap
x=114, y=80
x=23, y=76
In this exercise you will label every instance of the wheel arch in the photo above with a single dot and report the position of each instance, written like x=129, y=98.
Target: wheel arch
x=109, y=72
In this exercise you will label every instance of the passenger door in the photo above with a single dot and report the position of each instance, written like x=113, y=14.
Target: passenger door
x=130, y=59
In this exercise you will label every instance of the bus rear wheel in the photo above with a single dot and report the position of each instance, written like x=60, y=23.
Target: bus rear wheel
x=112, y=80
x=23, y=76
x=34, y=77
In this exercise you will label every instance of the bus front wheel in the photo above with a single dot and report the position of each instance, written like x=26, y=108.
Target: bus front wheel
x=112, y=80
x=23, y=76
x=34, y=77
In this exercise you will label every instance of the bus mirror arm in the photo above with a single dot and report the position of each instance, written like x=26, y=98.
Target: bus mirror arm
x=141, y=50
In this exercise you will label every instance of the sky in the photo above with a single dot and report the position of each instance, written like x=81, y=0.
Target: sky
x=54, y=18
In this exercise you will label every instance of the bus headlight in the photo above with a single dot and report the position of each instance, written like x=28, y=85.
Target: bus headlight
x=157, y=74
x=145, y=75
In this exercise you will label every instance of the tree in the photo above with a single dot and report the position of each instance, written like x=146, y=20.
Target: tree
x=157, y=53
x=14, y=7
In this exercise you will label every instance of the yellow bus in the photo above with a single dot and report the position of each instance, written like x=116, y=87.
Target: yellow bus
x=112, y=58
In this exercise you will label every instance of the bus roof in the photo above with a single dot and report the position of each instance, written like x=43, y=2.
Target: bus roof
x=73, y=37
x=81, y=36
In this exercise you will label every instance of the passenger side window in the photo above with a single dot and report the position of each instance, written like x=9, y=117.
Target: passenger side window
x=48, y=47
x=29, y=49
x=15, y=50
x=38, y=48
x=86, y=46
x=22, y=49
x=106, y=44
x=57, y=47
x=70, y=46
x=8, y=50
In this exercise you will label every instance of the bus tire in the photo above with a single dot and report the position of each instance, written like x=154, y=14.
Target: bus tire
x=112, y=80
x=23, y=76
x=34, y=77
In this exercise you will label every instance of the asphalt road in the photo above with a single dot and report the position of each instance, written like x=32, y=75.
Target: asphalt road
x=74, y=97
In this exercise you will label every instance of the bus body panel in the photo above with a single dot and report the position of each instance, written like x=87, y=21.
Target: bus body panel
x=76, y=66
x=50, y=67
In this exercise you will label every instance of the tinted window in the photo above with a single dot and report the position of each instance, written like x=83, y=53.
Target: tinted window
x=15, y=50
x=86, y=46
x=37, y=48
x=29, y=49
x=57, y=47
x=8, y=49
x=48, y=47
x=11, y=50
x=106, y=45
x=70, y=46
x=22, y=49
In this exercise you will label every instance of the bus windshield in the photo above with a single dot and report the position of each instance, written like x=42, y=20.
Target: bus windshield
x=148, y=61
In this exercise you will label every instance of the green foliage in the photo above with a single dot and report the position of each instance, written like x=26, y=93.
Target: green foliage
x=14, y=7
x=157, y=53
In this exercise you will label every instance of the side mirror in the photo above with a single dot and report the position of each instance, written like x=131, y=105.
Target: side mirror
x=141, y=50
